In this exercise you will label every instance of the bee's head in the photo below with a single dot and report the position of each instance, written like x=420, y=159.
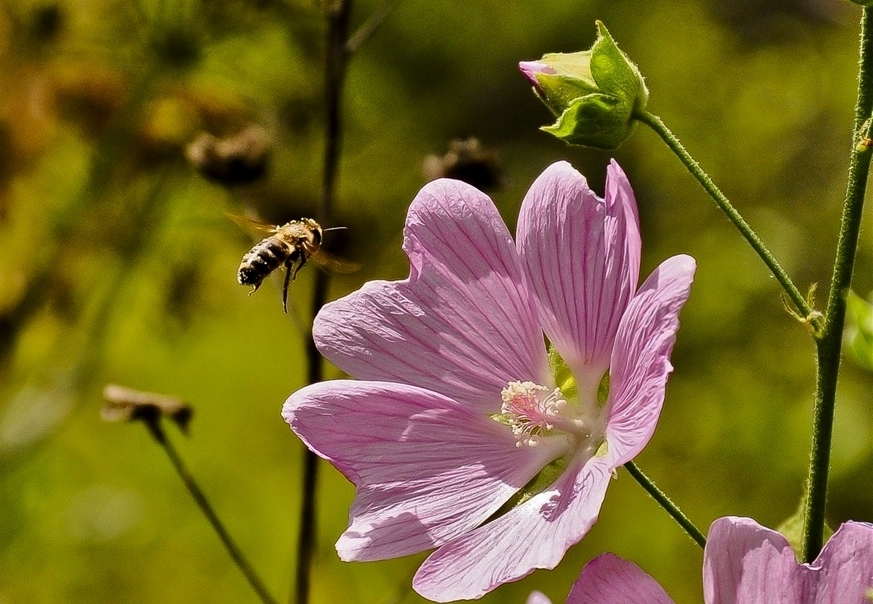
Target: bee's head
x=315, y=229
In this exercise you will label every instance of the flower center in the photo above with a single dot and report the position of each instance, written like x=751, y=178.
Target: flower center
x=531, y=411
x=534, y=412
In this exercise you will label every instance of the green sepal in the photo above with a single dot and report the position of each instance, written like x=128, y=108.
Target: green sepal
x=567, y=383
x=602, y=449
x=563, y=376
x=614, y=72
x=792, y=528
x=595, y=120
x=571, y=81
x=603, y=390
x=539, y=483
x=501, y=419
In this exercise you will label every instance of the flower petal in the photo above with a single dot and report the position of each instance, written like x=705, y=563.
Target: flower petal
x=426, y=469
x=536, y=534
x=609, y=579
x=641, y=357
x=582, y=256
x=843, y=571
x=463, y=323
x=746, y=563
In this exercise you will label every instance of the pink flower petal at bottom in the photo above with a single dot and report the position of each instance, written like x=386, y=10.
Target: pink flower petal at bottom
x=536, y=534
x=426, y=469
x=743, y=561
x=844, y=568
x=609, y=579
x=746, y=563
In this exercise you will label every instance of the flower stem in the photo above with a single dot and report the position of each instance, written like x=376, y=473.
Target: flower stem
x=336, y=61
x=665, y=502
x=829, y=345
x=373, y=23
x=672, y=141
x=203, y=503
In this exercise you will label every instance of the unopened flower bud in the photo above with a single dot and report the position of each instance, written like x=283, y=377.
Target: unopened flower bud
x=467, y=160
x=593, y=93
x=127, y=404
x=236, y=160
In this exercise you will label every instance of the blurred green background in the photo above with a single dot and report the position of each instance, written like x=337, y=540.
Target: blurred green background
x=119, y=264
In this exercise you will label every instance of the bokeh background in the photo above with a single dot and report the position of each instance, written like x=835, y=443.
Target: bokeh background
x=118, y=264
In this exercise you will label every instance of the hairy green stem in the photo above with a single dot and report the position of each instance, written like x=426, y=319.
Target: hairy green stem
x=665, y=502
x=203, y=503
x=830, y=343
x=800, y=302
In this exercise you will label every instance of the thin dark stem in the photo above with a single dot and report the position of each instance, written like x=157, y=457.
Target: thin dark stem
x=335, y=72
x=336, y=61
x=829, y=345
x=665, y=502
x=204, y=505
x=807, y=314
x=366, y=31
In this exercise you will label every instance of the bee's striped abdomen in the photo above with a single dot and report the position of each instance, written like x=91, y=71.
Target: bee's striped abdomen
x=265, y=257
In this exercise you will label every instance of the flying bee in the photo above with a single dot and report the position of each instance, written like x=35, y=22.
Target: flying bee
x=291, y=246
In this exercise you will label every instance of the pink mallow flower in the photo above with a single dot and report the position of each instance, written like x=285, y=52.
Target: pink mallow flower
x=745, y=563
x=461, y=432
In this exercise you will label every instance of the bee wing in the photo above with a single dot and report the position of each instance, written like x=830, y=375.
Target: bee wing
x=332, y=264
x=254, y=227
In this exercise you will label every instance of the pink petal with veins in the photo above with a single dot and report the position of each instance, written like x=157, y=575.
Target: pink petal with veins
x=463, y=323
x=426, y=469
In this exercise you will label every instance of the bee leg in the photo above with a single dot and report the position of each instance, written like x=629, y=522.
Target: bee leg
x=300, y=261
x=255, y=287
x=288, y=277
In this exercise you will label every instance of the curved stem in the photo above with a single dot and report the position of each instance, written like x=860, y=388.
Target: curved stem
x=829, y=346
x=665, y=502
x=806, y=312
x=336, y=61
x=203, y=503
x=366, y=31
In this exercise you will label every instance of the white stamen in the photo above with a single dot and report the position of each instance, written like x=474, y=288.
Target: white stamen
x=531, y=410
